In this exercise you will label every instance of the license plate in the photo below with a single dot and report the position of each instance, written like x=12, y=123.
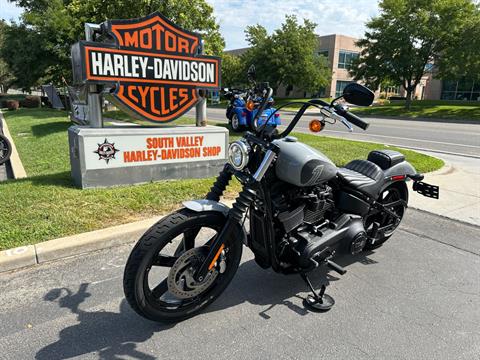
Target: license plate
x=431, y=191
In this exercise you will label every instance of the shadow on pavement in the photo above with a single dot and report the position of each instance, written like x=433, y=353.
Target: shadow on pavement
x=266, y=288
x=112, y=335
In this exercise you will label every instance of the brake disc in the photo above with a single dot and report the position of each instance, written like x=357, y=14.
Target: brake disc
x=181, y=282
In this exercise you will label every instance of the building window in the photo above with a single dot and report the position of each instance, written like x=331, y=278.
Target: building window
x=464, y=89
x=323, y=53
x=345, y=58
x=340, y=86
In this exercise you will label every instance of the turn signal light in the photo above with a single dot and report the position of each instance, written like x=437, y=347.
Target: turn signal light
x=316, y=125
x=250, y=105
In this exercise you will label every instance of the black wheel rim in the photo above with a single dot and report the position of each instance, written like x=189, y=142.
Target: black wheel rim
x=158, y=295
x=383, y=219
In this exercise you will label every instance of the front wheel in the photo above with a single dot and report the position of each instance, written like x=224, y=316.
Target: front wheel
x=235, y=123
x=158, y=278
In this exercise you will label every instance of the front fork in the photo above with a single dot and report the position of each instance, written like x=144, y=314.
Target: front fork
x=235, y=215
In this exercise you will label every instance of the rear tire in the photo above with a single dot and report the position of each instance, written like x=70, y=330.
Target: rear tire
x=159, y=304
x=392, y=193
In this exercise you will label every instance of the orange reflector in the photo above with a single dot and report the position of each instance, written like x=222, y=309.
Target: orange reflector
x=316, y=125
x=212, y=264
x=250, y=105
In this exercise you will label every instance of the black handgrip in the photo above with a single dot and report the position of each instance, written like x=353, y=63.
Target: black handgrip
x=355, y=120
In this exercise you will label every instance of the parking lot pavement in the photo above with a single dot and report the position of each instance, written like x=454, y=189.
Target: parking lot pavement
x=417, y=297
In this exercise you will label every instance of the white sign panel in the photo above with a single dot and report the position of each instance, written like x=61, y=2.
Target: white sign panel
x=115, y=151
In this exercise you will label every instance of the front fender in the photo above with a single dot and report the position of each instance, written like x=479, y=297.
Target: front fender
x=211, y=205
x=242, y=119
x=206, y=205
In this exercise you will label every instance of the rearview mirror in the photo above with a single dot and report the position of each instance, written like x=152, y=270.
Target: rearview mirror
x=358, y=95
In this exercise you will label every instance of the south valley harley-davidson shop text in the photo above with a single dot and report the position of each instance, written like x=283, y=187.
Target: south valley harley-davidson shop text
x=143, y=150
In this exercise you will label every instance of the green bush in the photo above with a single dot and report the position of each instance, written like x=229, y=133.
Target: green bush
x=31, y=101
x=12, y=104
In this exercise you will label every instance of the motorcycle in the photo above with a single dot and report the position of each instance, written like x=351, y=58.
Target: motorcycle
x=5, y=149
x=242, y=114
x=302, y=213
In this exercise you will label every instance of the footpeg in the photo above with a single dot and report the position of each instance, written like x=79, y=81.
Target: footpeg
x=336, y=267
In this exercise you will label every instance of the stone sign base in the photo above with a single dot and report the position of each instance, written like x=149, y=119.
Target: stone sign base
x=103, y=157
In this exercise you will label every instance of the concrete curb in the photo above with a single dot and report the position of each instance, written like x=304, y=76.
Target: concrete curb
x=29, y=255
x=17, y=166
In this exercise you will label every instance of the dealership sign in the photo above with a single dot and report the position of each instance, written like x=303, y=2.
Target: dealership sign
x=151, y=66
x=150, y=149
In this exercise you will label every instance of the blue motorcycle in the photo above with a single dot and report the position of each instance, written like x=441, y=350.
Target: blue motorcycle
x=243, y=106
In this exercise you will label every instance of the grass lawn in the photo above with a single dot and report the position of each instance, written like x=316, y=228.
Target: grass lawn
x=426, y=109
x=46, y=205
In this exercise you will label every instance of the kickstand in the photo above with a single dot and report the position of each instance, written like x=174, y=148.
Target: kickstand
x=317, y=302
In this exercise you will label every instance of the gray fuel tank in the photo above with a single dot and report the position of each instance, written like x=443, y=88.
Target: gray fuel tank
x=301, y=165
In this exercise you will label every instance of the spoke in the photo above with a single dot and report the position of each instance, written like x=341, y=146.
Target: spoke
x=189, y=238
x=160, y=289
x=164, y=260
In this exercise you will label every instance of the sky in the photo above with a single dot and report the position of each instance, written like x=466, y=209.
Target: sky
x=332, y=16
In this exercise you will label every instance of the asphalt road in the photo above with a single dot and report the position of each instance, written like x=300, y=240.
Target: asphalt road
x=417, y=297
x=462, y=139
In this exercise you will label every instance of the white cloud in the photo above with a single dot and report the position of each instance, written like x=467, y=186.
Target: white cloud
x=9, y=11
x=332, y=16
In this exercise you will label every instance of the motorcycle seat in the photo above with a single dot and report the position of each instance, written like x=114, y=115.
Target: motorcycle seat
x=386, y=158
x=363, y=175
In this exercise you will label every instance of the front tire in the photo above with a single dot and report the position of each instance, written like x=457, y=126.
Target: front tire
x=156, y=254
x=235, y=123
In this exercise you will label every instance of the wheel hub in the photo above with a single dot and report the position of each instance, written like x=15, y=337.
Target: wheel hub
x=181, y=282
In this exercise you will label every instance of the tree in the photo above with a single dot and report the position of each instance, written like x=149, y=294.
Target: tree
x=6, y=76
x=288, y=56
x=408, y=35
x=60, y=23
x=462, y=59
x=233, y=74
x=24, y=52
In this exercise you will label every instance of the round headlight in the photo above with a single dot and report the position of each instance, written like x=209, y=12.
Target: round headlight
x=238, y=154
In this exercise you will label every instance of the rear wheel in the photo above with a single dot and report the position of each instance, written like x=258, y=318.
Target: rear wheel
x=380, y=226
x=158, y=279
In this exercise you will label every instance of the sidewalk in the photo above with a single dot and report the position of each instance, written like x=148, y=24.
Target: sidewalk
x=459, y=185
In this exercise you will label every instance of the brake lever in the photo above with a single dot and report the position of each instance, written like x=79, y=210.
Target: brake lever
x=346, y=123
x=333, y=115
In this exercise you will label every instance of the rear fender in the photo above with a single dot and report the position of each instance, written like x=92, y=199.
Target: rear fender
x=210, y=205
x=402, y=169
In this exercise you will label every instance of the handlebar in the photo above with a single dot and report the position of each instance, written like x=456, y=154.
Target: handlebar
x=350, y=117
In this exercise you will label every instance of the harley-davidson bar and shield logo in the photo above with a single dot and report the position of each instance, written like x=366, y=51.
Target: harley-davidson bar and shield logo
x=151, y=65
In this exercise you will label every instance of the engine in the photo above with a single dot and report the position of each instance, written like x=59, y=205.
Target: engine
x=296, y=207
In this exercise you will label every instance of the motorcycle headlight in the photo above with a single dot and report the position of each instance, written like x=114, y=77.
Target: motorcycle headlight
x=238, y=154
